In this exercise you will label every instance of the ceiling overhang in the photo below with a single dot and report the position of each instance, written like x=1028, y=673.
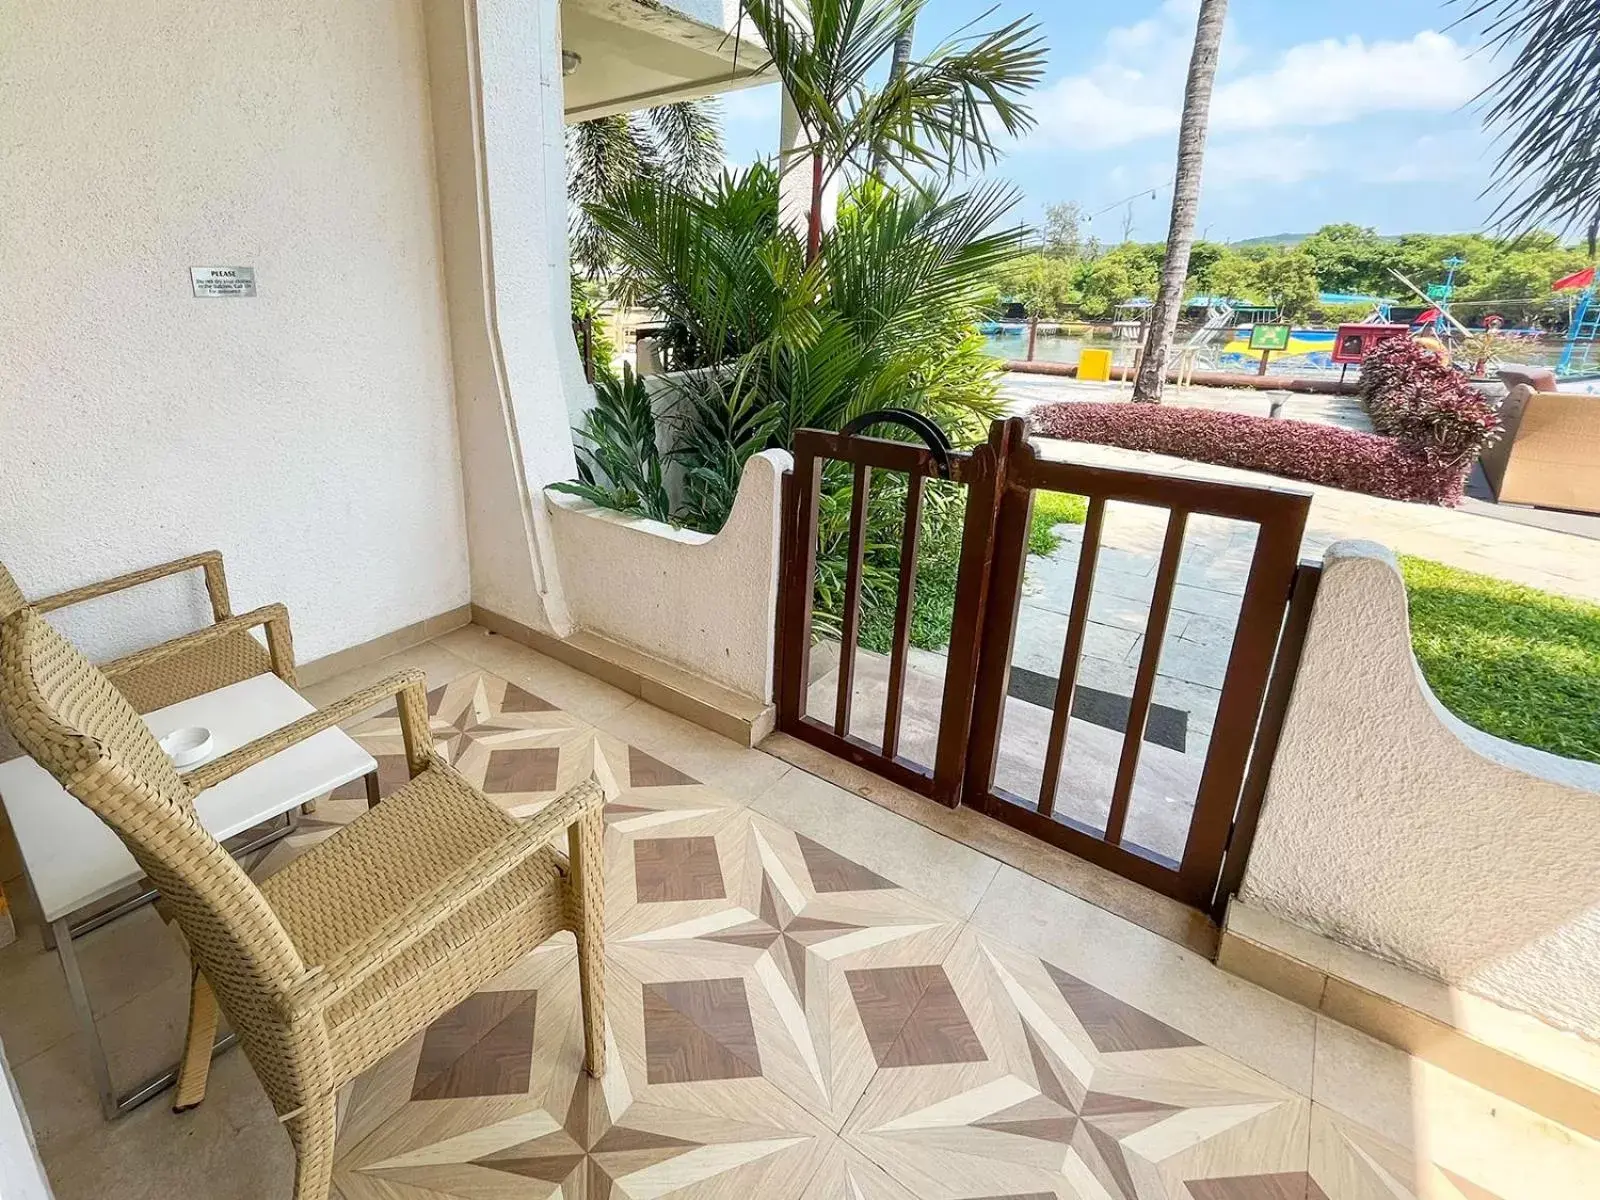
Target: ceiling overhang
x=643, y=53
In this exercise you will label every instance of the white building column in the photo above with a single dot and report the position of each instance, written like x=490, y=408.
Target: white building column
x=495, y=79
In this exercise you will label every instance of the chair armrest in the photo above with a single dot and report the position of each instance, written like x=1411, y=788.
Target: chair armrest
x=209, y=561
x=325, y=983
x=280, y=643
x=408, y=685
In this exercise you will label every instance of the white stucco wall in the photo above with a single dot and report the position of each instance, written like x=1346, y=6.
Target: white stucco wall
x=308, y=433
x=497, y=109
x=705, y=604
x=1392, y=827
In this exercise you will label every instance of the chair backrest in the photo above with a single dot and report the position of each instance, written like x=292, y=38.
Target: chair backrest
x=11, y=597
x=77, y=726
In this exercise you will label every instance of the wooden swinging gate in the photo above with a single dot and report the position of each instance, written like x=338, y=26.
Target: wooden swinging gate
x=1000, y=478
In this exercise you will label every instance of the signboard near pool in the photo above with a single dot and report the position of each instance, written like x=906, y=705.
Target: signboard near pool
x=1354, y=341
x=1269, y=337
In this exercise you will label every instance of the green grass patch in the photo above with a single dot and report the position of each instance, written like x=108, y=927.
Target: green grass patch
x=1513, y=661
x=1049, y=510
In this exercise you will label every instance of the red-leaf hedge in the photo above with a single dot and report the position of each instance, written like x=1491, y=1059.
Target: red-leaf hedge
x=1325, y=454
x=1412, y=395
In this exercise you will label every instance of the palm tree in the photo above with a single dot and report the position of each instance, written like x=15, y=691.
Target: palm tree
x=1185, y=200
x=899, y=60
x=681, y=143
x=934, y=117
x=883, y=316
x=1544, y=105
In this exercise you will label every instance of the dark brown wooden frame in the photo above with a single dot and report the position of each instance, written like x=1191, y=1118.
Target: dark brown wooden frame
x=799, y=548
x=1001, y=477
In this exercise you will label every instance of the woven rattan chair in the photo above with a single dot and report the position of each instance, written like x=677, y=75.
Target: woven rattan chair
x=357, y=945
x=199, y=662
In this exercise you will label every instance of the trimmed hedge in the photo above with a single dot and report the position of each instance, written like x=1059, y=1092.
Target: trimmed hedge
x=1412, y=395
x=1325, y=454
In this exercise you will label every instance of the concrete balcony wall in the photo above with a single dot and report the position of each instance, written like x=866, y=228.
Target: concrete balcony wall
x=1392, y=827
x=309, y=433
x=696, y=601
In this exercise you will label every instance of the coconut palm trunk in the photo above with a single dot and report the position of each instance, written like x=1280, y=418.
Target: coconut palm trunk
x=1185, y=201
x=898, y=62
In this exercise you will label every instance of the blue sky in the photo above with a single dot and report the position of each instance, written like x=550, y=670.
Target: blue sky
x=1355, y=110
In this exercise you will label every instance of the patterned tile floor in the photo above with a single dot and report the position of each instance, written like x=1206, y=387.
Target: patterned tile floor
x=785, y=1020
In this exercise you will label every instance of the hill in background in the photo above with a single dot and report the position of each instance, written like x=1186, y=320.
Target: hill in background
x=1289, y=240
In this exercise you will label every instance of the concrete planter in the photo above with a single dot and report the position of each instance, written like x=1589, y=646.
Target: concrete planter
x=705, y=603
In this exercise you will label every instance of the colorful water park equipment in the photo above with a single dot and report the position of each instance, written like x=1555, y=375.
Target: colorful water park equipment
x=1311, y=348
x=1577, y=356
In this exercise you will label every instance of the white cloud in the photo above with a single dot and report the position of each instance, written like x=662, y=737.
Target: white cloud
x=1332, y=82
x=1135, y=91
x=1270, y=159
x=1252, y=161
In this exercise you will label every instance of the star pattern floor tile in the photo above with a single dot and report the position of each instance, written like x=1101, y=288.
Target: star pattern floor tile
x=520, y=749
x=1072, y=1093
x=793, y=924
x=784, y=1022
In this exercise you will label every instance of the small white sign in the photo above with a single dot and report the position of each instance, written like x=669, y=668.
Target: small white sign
x=217, y=282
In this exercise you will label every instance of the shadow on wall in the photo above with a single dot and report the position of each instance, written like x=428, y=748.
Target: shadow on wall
x=1393, y=827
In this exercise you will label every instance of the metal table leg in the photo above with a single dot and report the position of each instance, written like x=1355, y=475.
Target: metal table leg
x=112, y=1105
x=80, y=1005
x=60, y=937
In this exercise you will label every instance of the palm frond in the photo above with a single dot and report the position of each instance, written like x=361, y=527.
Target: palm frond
x=619, y=462
x=718, y=424
x=603, y=155
x=945, y=109
x=699, y=259
x=681, y=143
x=1544, y=107
x=688, y=141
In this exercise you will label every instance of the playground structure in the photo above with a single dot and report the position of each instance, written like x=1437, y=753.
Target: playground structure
x=1577, y=356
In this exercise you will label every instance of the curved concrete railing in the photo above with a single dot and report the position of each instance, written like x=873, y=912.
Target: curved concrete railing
x=701, y=602
x=1393, y=827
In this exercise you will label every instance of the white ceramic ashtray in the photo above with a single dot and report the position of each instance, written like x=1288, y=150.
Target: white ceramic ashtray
x=187, y=746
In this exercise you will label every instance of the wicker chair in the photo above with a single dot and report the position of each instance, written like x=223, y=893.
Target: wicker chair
x=357, y=945
x=187, y=666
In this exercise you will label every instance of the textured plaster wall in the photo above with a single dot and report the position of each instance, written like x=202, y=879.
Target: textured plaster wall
x=308, y=433
x=497, y=112
x=1391, y=826
x=706, y=604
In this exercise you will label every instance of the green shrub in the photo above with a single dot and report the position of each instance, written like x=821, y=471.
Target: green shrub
x=619, y=462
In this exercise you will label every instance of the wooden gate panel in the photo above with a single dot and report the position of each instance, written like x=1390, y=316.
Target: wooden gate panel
x=1001, y=478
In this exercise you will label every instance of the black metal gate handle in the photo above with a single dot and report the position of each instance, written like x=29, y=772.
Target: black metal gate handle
x=918, y=424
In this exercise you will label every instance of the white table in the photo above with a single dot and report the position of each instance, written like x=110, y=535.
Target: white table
x=74, y=861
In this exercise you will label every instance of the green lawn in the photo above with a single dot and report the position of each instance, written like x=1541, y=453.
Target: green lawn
x=1518, y=663
x=1049, y=510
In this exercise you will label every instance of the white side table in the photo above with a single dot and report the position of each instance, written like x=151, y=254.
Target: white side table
x=73, y=860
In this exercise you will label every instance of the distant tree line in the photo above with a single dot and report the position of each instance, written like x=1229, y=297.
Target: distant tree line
x=1072, y=277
